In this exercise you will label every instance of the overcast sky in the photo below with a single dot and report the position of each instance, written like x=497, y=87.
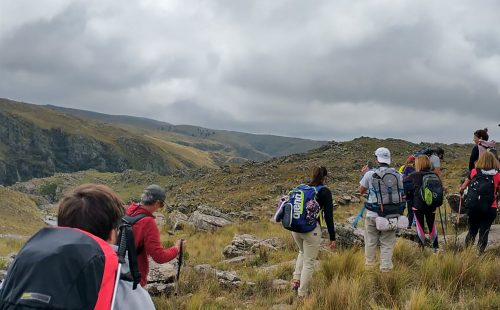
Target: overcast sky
x=331, y=70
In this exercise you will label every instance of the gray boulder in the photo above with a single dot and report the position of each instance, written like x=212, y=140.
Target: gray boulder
x=157, y=289
x=208, y=219
x=347, y=236
x=225, y=278
x=177, y=220
x=281, y=285
x=161, y=278
x=243, y=245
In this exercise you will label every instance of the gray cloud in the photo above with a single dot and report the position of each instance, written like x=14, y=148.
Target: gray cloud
x=329, y=70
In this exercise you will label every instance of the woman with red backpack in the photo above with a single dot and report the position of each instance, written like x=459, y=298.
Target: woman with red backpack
x=483, y=190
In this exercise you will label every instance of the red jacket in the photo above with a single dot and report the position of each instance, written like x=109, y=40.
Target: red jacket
x=147, y=240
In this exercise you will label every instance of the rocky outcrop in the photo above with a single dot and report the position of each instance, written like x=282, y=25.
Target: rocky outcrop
x=161, y=278
x=209, y=219
x=244, y=245
x=177, y=220
x=225, y=278
x=347, y=236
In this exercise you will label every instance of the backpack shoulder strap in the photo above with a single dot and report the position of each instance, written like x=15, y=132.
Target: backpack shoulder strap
x=131, y=220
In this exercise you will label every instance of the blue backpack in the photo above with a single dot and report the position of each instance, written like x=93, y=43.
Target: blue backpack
x=301, y=212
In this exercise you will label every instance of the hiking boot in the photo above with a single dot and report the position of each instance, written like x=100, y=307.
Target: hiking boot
x=385, y=269
x=435, y=251
x=295, y=284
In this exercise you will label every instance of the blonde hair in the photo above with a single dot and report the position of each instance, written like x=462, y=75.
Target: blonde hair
x=487, y=161
x=422, y=162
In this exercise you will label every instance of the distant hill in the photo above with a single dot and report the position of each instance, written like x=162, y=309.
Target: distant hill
x=256, y=185
x=229, y=143
x=38, y=141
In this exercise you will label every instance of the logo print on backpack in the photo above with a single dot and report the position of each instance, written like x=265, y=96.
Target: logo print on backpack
x=300, y=213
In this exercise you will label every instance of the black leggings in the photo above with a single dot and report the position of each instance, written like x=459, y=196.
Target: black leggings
x=410, y=214
x=429, y=219
x=480, y=221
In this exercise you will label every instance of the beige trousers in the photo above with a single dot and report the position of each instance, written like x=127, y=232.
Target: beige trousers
x=308, y=244
x=373, y=237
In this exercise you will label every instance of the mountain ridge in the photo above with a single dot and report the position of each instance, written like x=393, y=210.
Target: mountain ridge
x=38, y=141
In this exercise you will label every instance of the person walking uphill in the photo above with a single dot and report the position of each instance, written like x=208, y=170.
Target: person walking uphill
x=309, y=240
x=481, y=201
x=408, y=186
x=146, y=233
x=385, y=203
x=425, y=211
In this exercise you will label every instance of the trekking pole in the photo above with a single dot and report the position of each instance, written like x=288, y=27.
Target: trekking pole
x=179, y=264
x=358, y=217
x=442, y=225
x=445, y=215
x=122, y=248
x=459, y=207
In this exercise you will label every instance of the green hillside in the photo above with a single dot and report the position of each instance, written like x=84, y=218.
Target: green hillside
x=36, y=141
x=16, y=211
x=237, y=145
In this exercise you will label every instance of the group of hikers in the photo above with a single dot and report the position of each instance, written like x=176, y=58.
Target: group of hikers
x=418, y=186
x=98, y=255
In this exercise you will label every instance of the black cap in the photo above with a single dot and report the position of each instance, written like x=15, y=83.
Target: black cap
x=153, y=193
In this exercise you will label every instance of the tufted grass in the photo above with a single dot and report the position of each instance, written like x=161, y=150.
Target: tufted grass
x=420, y=280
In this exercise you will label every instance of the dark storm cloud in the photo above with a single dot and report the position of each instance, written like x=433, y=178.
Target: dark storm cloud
x=263, y=66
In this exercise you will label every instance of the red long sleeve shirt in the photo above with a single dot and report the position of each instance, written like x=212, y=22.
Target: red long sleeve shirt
x=147, y=241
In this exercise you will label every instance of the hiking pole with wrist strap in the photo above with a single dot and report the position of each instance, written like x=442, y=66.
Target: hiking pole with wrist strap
x=179, y=265
x=358, y=217
x=457, y=222
x=442, y=225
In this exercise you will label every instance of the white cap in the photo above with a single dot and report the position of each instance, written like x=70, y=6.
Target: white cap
x=383, y=155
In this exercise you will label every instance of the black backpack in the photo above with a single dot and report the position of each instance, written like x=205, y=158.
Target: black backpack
x=126, y=244
x=61, y=268
x=481, y=192
x=431, y=192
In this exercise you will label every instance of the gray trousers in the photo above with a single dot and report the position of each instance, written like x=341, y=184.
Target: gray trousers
x=373, y=237
x=308, y=244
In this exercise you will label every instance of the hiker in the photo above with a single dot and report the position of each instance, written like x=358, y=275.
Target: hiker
x=384, y=204
x=425, y=212
x=435, y=157
x=408, y=186
x=309, y=242
x=481, y=144
x=481, y=201
x=77, y=256
x=146, y=233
